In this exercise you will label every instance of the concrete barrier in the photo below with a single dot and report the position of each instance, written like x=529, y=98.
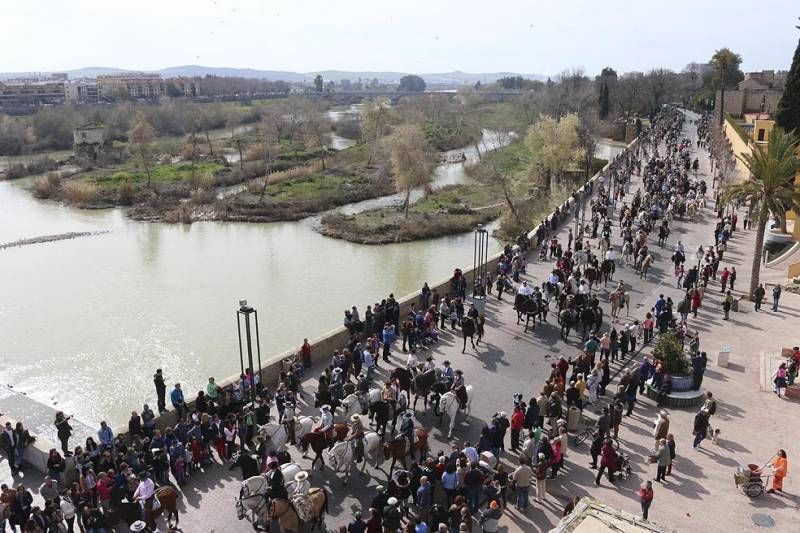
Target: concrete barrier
x=37, y=452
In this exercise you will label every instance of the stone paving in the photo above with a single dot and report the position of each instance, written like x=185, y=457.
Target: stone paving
x=699, y=496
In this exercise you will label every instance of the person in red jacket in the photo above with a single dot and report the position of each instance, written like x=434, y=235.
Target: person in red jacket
x=646, y=497
x=517, y=421
x=608, y=460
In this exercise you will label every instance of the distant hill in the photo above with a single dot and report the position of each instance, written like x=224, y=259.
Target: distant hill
x=445, y=78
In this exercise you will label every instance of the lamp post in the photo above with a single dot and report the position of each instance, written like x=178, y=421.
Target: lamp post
x=243, y=315
x=699, y=255
x=479, y=257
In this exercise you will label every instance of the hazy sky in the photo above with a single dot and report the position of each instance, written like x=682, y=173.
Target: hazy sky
x=424, y=36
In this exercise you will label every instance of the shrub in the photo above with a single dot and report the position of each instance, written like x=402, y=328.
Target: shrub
x=46, y=187
x=255, y=186
x=80, y=192
x=669, y=350
x=125, y=193
x=203, y=196
x=17, y=171
x=292, y=173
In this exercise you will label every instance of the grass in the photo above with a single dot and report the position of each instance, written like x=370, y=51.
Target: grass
x=168, y=173
x=313, y=187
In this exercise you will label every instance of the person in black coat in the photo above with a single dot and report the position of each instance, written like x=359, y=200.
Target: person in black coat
x=531, y=414
x=379, y=501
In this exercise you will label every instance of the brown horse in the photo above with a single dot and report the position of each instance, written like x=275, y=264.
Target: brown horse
x=318, y=442
x=286, y=515
x=131, y=512
x=396, y=449
x=403, y=376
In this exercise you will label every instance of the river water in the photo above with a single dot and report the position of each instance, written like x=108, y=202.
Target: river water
x=85, y=322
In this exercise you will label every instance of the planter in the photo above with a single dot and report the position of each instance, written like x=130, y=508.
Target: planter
x=681, y=383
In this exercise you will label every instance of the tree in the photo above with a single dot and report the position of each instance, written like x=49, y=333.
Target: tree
x=726, y=74
x=410, y=160
x=141, y=144
x=172, y=90
x=411, y=83
x=771, y=189
x=787, y=116
x=315, y=130
x=603, y=101
x=375, y=117
x=319, y=83
x=554, y=144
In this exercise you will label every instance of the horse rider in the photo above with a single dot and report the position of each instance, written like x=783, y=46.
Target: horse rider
x=459, y=389
x=300, y=500
x=525, y=289
x=337, y=383
x=145, y=495
x=429, y=365
x=325, y=422
x=448, y=375
x=407, y=431
x=275, y=482
x=288, y=420
x=554, y=279
x=356, y=437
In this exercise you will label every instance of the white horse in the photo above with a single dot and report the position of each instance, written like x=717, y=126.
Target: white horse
x=253, y=497
x=302, y=426
x=341, y=459
x=275, y=433
x=449, y=404
x=351, y=406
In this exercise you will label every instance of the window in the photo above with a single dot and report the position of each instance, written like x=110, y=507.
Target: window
x=761, y=133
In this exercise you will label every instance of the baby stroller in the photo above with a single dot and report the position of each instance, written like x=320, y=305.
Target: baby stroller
x=751, y=479
x=543, y=252
x=623, y=465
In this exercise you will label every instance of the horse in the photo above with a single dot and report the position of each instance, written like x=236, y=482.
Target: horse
x=284, y=512
x=254, y=499
x=403, y=377
x=275, y=433
x=421, y=385
x=449, y=404
x=524, y=305
x=248, y=464
x=351, y=405
x=318, y=442
x=607, y=269
x=340, y=457
x=467, y=330
x=130, y=512
x=568, y=319
x=618, y=301
x=588, y=320
x=380, y=411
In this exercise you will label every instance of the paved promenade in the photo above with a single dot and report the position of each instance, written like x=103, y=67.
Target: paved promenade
x=699, y=496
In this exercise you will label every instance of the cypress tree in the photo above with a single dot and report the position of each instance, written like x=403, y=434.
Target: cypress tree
x=604, y=105
x=787, y=115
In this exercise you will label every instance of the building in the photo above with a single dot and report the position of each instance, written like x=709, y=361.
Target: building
x=91, y=140
x=590, y=516
x=137, y=85
x=29, y=93
x=82, y=91
x=759, y=92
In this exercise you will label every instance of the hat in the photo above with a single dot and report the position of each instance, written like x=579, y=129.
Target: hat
x=356, y=418
x=301, y=476
x=408, y=414
x=446, y=362
x=325, y=407
x=137, y=526
x=541, y=456
x=337, y=370
x=380, y=488
x=143, y=475
x=290, y=405
x=392, y=501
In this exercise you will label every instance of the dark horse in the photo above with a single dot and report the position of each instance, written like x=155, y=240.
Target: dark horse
x=591, y=319
x=467, y=330
x=403, y=376
x=318, y=442
x=396, y=448
x=248, y=463
x=607, y=269
x=167, y=496
x=380, y=411
x=527, y=306
x=421, y=385
x=568, y=319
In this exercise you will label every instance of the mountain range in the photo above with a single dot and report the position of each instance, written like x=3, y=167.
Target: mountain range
x=444, y=78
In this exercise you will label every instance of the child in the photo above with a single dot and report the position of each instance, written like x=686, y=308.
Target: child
x=671, y=447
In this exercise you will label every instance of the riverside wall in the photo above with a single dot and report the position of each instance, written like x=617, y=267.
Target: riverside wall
x=322, y=349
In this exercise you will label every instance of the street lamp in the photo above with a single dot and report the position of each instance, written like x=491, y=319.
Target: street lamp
x=243, y=315
x=699, y=255
x=479, y=258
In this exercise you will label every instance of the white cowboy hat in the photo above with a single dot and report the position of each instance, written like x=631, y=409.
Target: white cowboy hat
x=408, y=414
x=301, y=476
x=337, y=370
x=325, y=407
x=356, y=418
x=392, y=501
x=137, y=526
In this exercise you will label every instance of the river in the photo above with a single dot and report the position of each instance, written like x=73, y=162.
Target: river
x=85, y=322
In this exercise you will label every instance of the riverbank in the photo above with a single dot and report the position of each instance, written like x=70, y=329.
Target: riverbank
x=446, y=211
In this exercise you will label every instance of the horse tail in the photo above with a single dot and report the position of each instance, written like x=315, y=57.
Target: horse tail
x=325, y=503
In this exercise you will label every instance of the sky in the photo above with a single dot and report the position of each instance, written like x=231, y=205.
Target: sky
x=420, y=36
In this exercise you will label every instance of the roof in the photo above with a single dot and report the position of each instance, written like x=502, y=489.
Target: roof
x=591, y=516
x=91, y=126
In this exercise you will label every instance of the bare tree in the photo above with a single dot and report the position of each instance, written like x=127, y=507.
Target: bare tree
x=375, y=117
x=141, y=138
x=411, y=160
x=316, y=127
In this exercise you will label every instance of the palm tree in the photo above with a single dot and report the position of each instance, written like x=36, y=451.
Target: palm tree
x=771, y=188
